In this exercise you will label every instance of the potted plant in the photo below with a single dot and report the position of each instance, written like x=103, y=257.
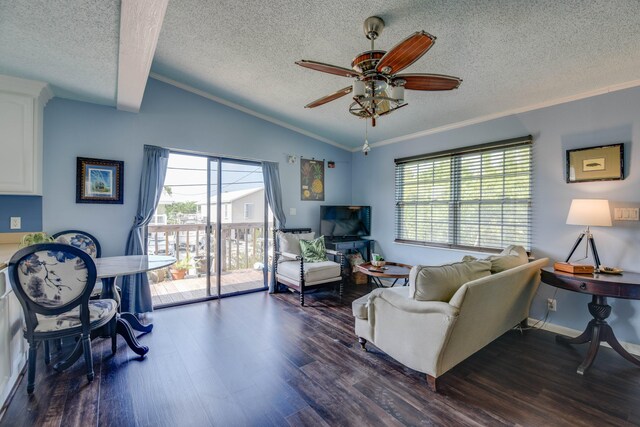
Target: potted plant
x=180, y=268
x=35, y=238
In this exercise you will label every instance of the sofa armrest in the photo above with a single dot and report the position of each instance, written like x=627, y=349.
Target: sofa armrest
x=402, y=302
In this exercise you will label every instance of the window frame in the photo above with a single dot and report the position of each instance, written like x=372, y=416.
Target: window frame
x=455, y=200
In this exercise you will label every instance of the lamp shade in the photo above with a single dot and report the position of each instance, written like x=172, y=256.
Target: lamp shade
x=591, y=212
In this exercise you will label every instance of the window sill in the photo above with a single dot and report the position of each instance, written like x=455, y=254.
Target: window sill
x=465, y=249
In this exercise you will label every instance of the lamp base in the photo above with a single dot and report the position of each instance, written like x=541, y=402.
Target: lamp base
x=590, y=242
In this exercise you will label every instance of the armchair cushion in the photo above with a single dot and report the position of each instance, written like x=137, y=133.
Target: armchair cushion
x=99, y=310
x=313, y=271
x=290, y=243
x=313, y=250
x=440, y=283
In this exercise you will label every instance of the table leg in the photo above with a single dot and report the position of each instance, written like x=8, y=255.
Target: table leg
x=123, y=325
x=135, y=323
x=598, y=331
x=71, y=358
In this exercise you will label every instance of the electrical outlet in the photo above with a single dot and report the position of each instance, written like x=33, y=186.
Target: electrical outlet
x=551, y=304
x=15, y=223
x=292, y=211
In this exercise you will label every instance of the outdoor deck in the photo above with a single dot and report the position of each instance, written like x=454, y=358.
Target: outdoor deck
x=175, y=291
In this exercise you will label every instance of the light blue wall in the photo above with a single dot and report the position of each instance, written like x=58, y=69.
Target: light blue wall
x=605, y=119
x=170, y=118
x=28, y=208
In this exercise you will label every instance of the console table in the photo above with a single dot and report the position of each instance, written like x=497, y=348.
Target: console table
x=364, y=246
x=600, y=286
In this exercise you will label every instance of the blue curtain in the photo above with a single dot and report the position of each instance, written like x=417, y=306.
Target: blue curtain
x=136, y=295
x=271, y=174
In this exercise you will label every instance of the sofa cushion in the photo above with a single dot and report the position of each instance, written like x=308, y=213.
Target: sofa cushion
x=512, y=256
x=313, y=250
x=313, y=271
x=360, y=308
x=290, y=242
x=439, y=283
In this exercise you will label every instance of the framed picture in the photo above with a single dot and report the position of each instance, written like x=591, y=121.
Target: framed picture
x=312, y=179
x=604, y=163
x=99, y=181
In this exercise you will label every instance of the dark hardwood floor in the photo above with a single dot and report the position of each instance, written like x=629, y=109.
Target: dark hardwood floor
x=259, y=360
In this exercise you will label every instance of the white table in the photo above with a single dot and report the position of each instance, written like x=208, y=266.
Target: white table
x=108, y=269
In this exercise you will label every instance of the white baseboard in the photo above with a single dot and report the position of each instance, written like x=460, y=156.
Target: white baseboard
x=563, y=330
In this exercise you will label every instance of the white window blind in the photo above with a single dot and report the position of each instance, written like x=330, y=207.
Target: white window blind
x=477, y=197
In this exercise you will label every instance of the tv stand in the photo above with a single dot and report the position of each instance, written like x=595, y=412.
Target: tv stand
x=348, y=245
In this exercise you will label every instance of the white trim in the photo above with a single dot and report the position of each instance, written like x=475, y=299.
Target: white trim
x=140, y=24
x=37, y=89
x=563, y=330
x=246, y=110
x=514, y=111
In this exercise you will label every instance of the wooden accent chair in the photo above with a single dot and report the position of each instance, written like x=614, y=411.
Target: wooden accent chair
x=53, y=283
x=291, y=269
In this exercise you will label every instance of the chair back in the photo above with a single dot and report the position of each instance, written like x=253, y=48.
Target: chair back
x=52, y=278
x=80, y=239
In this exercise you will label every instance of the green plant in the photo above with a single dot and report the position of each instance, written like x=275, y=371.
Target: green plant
x=35, y=238
x=182, y=264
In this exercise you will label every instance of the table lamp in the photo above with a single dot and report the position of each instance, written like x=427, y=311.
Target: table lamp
x=591, y=213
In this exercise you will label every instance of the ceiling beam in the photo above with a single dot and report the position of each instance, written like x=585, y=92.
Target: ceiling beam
x=140, y=24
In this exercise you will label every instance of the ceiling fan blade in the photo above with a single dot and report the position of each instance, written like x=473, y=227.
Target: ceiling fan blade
x=405, y=53
x=428, y=81
x=327, y=68
x=342, y=92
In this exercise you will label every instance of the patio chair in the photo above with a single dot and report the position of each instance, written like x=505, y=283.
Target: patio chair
x=53, y=283
x=291, y=269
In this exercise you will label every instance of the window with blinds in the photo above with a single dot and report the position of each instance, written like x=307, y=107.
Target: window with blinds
x=477, y=197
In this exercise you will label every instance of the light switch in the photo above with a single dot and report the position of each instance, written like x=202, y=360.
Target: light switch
x=292, y=211
x=626, y=214
x=16, y=223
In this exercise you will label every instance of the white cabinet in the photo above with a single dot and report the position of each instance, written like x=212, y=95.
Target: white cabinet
x=13, y=346
x=21, y=109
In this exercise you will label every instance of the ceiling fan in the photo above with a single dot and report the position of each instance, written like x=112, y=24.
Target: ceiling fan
x=378, y=89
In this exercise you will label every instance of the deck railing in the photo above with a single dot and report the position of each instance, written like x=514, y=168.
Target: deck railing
x=242, y=244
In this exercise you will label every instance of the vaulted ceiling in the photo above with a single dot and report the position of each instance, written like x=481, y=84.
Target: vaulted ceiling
x=510, y=54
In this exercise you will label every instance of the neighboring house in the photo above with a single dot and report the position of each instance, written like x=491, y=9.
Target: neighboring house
x=241, y=206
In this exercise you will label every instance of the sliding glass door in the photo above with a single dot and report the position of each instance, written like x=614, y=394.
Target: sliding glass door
x=214, y=219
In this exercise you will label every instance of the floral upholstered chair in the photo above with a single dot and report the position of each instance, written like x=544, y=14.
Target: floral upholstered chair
x=53, y=283
x=300, y=271
x=86, y=242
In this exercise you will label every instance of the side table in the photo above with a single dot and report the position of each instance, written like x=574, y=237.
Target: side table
x=391, y=270
x=600, y=286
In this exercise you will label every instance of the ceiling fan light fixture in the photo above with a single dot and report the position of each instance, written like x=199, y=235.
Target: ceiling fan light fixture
x=358, y=88
x=397, y=93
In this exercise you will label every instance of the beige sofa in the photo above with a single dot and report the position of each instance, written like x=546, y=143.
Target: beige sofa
x=434, y=336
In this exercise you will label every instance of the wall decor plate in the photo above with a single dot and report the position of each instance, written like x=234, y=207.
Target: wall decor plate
x=99, y=181
x=602, y=163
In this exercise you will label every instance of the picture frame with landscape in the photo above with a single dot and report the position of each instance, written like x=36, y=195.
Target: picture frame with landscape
x=99, y=181
x=601, y=163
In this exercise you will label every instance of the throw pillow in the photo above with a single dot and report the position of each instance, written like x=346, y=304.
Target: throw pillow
x=290, y=243
x=512, y=256
x=313, y=250
x=441, y=282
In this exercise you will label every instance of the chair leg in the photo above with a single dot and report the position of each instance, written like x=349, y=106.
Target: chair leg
x=341, y=290
x=88, y=358
x=31, y=374
x=301, y=297
x=47, y=352
x=363, y=343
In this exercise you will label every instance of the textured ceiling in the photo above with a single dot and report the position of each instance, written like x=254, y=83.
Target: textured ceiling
x=71, y=44
x=510, y=54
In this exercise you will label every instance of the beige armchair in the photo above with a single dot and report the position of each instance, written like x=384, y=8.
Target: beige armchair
x=434, y=336
x=292, y=271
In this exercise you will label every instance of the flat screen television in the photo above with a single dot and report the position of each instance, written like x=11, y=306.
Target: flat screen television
x=345, y=222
